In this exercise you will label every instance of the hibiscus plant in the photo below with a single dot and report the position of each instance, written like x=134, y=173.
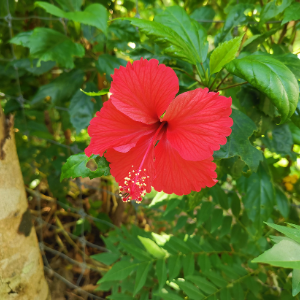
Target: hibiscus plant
x=189, y=109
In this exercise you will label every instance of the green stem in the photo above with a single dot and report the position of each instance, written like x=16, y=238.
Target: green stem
x=234, y=85
x=222, y=81
x=234, y=282
x=206, y=77
x=216, y=77
x=189, y=75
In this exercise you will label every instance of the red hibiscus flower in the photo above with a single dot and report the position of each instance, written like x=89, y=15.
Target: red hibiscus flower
x=152, y=139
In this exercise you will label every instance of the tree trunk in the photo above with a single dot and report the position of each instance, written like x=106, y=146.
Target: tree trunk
x=21, y=267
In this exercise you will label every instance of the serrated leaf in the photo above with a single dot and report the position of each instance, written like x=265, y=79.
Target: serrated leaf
x=152, y=247
x=295, y=282
x=271, y=77
x=238, y=143
x=279, y=256
x=174, y=265
x=293, y=233
x=161, y=272
x=93, y=15
x=48, y=44
x=203, y=284
x=190, y=30
x=93, y=94
x=141, y=276
x=76, y=167
x=224, y=54
x=191, y=291
x=259, y=197
x=119, y=271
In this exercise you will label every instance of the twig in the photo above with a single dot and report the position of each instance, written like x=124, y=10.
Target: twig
x=234, y=85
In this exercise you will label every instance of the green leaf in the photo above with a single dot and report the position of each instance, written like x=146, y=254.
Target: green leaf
x=167, y=295
x=252, y=43
x=279, y=256
x=216, y=219
x=259, y=196
x=190, y=30
x=204, y=13
x=226, y=225
x=188, y=264
x=107, y=64
x=161, y=272
x=93, y=94
x=216, y=278
x=223, y=54
x=76, y=167
x=219, y=196
x=296, y=116
x=93, y=15
x=289, y=232
x=271, y=77
x=204, y=263
x=235, y=204
x=282, y=203
x=81, y=109
x=281, y=142
x=191, y=291
x=141, y=276
x=203, y=284
x=271, y=10
x=61, y=89
x=174, y=265
x=119, y=271
x=204, y=212
x=22, y=39
x=152, y=247
x=120, y=297
x=225, y=294
x=295, y=130
x=291, y=13
x=48, y=44
x=137, y=253
x=106, y=258
x=291, y=61
x=238, y=292
x=188, y=44
x=238, y=143
x=296, y=282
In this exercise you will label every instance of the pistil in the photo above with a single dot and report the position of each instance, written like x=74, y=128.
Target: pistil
x=134, y=184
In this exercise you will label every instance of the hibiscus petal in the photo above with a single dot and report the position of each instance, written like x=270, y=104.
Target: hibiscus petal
x=143, y=90
x=111, y=128
x=177, y=175
x=198, y=123
x=123, y=163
